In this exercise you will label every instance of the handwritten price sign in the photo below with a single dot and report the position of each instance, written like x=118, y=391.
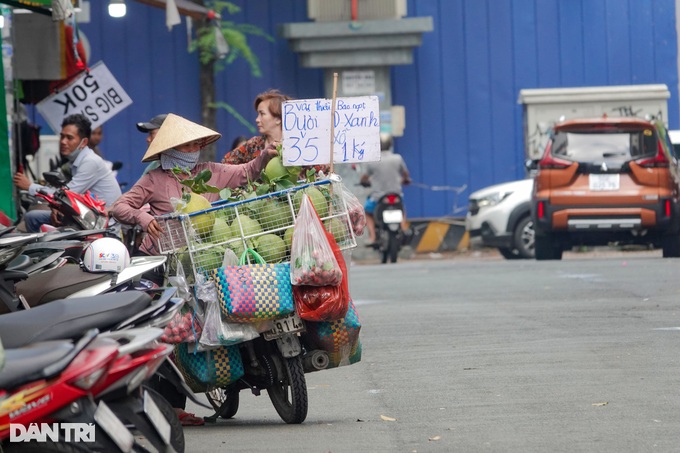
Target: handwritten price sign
x=307, y=131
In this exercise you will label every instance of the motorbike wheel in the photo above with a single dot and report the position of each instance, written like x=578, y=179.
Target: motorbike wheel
x=219, y=397
x=289, y=392
x=392, y=250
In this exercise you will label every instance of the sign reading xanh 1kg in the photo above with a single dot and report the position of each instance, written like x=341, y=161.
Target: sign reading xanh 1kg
x=95, y=93
x=307, y=131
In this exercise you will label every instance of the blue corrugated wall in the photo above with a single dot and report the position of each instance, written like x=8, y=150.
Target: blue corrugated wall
x=463, y=123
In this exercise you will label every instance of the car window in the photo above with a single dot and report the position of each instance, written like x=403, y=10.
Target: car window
x=615, y=147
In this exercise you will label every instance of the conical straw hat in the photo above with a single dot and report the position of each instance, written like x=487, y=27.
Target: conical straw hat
x=177, y=131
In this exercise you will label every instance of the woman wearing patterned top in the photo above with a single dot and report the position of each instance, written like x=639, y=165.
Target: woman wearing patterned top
x=268, y=106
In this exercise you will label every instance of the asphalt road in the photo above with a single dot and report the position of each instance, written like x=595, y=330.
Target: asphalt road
x=481, y=354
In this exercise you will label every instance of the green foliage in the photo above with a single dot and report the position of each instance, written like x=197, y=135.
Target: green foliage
x=236, y=36
x=198, y=184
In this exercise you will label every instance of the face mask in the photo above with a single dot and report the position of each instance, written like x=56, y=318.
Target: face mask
x=72, y=157
x=173, y=158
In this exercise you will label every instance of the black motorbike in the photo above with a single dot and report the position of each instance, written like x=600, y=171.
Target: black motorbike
x=389, y=234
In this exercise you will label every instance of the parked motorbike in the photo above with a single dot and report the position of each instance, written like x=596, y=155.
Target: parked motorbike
x=131, y=319
x=18, y=289
x=51, y=382
x=390, y=236
x=82, y=211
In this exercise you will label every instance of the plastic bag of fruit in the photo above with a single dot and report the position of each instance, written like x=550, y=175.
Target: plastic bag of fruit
x=355, y=209
x=312, y=261
x=182, y=328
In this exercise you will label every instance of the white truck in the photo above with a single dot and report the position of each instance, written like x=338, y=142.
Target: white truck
x=543, y=107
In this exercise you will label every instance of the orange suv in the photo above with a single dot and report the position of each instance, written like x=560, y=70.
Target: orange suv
x=603, y=181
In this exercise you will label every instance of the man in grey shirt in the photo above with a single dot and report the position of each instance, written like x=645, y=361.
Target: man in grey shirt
x=88, y=170
x=385, y=176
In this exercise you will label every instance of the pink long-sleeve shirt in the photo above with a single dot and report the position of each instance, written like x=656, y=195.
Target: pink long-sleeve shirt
x=158, y=186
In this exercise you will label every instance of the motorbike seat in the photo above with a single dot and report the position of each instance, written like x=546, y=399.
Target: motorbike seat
x=44, y=287
x=70, y=247
x=69, y=318
x=25, y=364
x=19, y=263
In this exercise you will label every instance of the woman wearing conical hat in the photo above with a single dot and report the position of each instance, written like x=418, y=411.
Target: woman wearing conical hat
x=178, y=144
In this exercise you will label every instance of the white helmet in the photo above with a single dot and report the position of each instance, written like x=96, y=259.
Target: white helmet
x=106, y=255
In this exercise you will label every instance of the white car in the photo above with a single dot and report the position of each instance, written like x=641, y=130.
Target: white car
x=501, y=216
x=675, y=140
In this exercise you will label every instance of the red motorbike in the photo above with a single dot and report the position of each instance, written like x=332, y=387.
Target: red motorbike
x=45, y=387
x=81, y=211
x=130, y=320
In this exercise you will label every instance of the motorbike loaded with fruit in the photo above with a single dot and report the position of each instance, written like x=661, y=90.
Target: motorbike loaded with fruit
x=266, y=267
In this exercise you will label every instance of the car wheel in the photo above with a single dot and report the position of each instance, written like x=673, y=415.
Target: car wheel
x=546, y=249
x=508, y=254
x=525, y=238
x=671, y=246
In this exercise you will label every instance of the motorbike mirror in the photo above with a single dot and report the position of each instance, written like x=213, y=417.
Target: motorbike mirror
x=117, y=165
x=54, y=178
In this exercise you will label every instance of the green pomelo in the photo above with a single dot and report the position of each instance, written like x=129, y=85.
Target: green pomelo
x=274, y=214
x=221, y=231
x=250, y=227
x=237, y=246
x=337, y=228
x=253, y=207
x=317, y=199
x=275, y=168
x=288, y=237
x=271, y=248
x=202, y=223
x=209, y=259
x=227, y=214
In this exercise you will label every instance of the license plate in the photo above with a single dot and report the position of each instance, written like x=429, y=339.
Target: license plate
x=111, y=424
x=157, y=418
x=393, y=216
x=604, y=182
x=289, y=324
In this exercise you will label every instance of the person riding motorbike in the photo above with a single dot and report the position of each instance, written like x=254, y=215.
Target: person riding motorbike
x=88, y=170
x=386, y=176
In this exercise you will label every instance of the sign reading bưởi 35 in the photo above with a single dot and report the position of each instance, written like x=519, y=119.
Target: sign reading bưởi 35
x=306, y=125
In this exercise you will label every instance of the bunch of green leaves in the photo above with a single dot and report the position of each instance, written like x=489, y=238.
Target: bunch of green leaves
x=198, y=184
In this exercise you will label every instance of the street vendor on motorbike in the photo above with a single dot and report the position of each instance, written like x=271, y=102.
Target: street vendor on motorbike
x=178, y=143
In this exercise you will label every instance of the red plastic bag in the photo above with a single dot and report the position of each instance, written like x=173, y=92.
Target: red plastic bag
x=324, y=303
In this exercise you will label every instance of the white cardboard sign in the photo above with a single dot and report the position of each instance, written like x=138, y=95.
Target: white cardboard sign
x=96, y=94
x=306, y=125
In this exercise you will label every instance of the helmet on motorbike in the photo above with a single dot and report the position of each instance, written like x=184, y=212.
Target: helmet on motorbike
x=106, y=255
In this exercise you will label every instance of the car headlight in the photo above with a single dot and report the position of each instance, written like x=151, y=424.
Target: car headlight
x=493, y=199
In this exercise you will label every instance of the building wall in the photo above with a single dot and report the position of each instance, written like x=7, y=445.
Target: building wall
x=463, y=122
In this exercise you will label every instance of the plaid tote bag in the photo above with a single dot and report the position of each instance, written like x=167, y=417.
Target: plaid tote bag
x=213, y=368
x=254, y=292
